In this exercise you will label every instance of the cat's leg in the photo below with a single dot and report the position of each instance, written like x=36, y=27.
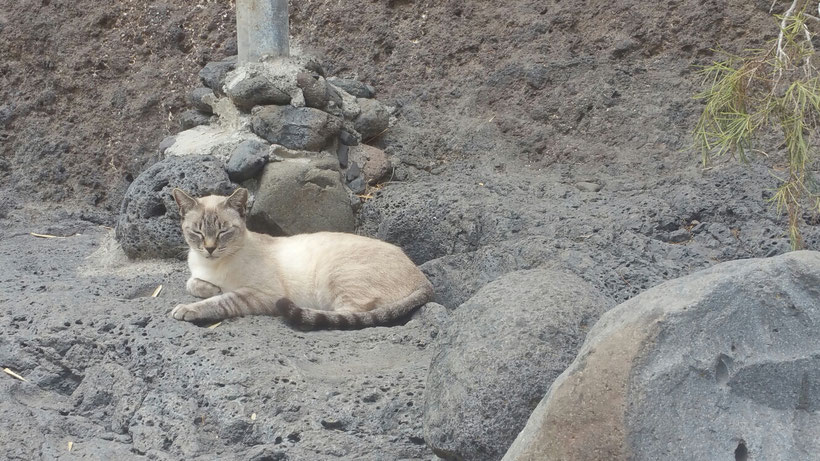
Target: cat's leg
x=243, y=301
x=202, y=289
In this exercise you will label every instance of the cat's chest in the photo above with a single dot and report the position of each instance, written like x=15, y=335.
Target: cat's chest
x=210, y=272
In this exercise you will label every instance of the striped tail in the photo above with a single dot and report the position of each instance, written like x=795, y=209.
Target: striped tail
x=317, y=319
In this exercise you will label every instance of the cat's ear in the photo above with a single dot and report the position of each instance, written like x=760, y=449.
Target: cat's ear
x=184, y=201
x=238, y=201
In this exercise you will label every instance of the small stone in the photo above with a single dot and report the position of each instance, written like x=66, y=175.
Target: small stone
x=247, y=160
x=166, y=142
x=586, y=186
x=341, y=153
x=374, y=162
x=301, y=128
x=213, y=74
x=354, y=87
x=333, y=424
x=348, y=139
x=679, y=236
x=314, y=90
x=6, y=114
x=353, y=172
x=373, y=119
x=334, y=101
x=191, y=118
x=357, y=186
x=197, y=98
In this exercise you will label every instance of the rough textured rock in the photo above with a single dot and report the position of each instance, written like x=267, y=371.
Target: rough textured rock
x=193, y=118
x=723, y=362
x=148, y=225
x=298, y=196
x=314, y=90
x=302, y=128
x=96, y=360
x=373, y=119
x=253, y=89
x=209, y=140
x=497, y=357
x=199, y=99
x=354, y=87
x=372, y=160
x=247, y=160
x=213, y=74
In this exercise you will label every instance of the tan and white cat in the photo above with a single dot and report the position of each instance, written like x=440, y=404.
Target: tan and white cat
x=321, y=280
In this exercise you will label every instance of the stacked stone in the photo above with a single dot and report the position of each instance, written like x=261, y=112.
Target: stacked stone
x=282, y=129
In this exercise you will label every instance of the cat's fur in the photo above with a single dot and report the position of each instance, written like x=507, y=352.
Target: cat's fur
x=321, y=280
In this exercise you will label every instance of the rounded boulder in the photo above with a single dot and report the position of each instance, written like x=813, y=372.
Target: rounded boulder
x=148, y=224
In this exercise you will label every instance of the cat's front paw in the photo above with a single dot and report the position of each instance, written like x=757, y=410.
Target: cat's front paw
x=201, y=288
x=186, y=312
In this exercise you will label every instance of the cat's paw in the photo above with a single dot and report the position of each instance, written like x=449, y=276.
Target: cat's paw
x=185, y=312
x=202, y=289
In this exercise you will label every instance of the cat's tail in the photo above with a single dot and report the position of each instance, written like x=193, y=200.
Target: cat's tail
x=317, y=319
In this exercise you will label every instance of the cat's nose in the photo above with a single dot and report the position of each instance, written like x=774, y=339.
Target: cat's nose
x=210, y=250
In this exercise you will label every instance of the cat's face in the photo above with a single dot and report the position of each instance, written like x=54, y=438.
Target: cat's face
x=213, y=226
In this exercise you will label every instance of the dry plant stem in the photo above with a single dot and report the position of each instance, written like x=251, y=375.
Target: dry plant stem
x=781, y=55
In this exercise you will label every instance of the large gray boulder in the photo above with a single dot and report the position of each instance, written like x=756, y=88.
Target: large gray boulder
x=301, y=128
x=298, y=196
x=148, y=224
x=722, y=364
x=497, y=357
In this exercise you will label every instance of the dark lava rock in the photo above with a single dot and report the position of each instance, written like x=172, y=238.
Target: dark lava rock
x=148, y=224
x=353, y=172
x=247, y=160
x=302, y=128
x=348, y=139
x=357, y=186
x=191, y=118
x=196, y=98
x=354, y=87
x=314, y=89
x=256, y=90
x=341, y=153
x=213, y=74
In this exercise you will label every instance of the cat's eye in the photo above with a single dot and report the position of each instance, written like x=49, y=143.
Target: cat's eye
x=224, y=232
x=198, y=234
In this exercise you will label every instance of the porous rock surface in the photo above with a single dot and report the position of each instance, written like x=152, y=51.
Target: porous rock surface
x=721, y=364
x=303, y=128
x=117, y=378
x=495, y=360
x=557, y=134
x=373, y=161
x=148, y=225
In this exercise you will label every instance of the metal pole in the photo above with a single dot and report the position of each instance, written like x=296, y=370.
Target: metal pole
x=261, y=29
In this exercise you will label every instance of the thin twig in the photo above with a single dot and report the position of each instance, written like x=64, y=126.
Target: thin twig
x=781, y=55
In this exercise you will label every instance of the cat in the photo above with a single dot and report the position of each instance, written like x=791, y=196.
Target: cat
x=319, y=280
